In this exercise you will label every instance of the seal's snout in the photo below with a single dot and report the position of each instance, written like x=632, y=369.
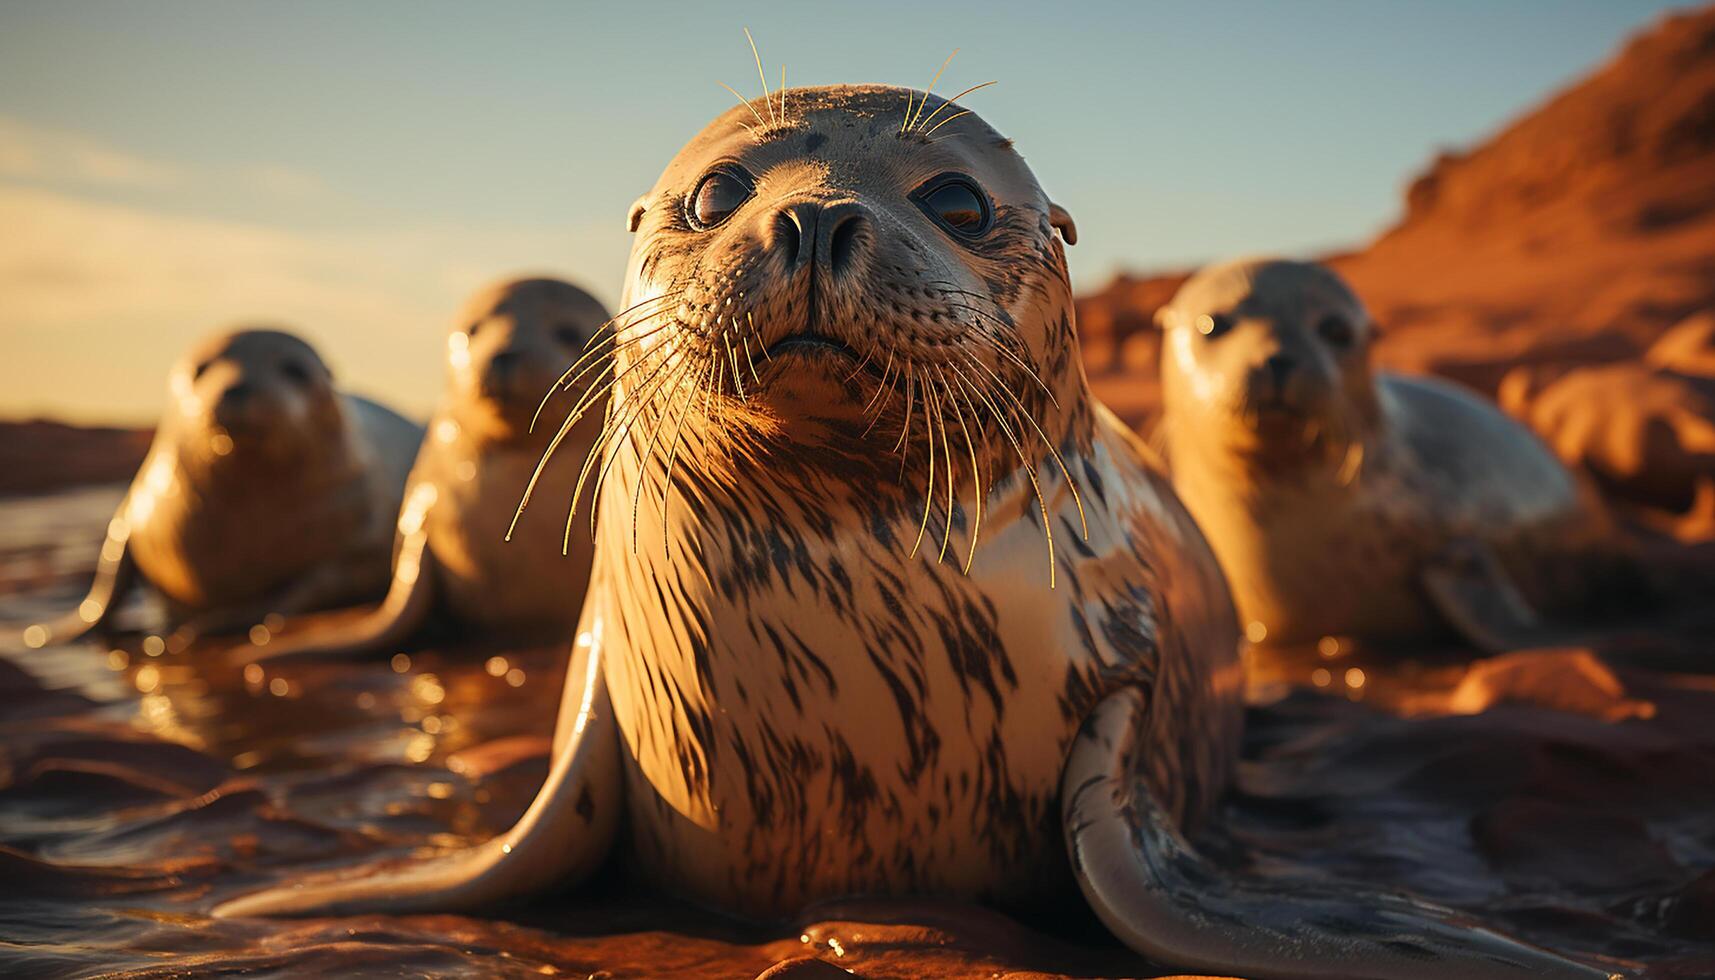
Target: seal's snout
x=829, y=236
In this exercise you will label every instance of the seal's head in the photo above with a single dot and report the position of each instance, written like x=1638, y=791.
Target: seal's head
x=252, y=395
x=837, y=232
x=509, y=346
x=1267, y=358
x=841, y=255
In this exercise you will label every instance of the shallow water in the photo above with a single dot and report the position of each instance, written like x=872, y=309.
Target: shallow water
x=138, y=790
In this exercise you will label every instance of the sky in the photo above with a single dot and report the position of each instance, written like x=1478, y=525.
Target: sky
x=352, y=171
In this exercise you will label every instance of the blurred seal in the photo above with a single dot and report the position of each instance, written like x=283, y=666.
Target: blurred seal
x=1347, y=502
x=459, y=551
x=266, y=491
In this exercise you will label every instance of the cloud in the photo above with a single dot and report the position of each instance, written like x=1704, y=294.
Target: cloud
x=42, y=153
x=45, y=155
x=97, y=299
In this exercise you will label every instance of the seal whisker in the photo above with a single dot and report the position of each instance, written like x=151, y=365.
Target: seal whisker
x=931, y=132
x=767, y=98
x=649, y=449
x=673, y=453
x=867, y=354
x=759, y=343
x=608, y=432
x=599, y=386
x=976, y=470
x=1052, y=451
x=929, y=491
x=1029, y=471
x=879, y=388
x=602, y=385
x=905, y=427
x=751, y=360
x=911, y=119
x=588, y=344
x=737, y=377
x=746, y=103
x=1003, y=349
x=956, y=98
x=567, y=385
x=646, y=394
x=947, y=452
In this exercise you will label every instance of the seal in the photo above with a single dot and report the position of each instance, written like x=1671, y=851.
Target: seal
x=460, y=552
x=847, y=359
x=265, y=491
x=1349, y=502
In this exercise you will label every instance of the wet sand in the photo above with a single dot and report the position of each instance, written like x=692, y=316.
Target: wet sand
x=137, y=791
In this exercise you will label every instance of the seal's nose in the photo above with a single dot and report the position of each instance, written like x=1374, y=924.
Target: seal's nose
x=1279, y=366
x=830, y=235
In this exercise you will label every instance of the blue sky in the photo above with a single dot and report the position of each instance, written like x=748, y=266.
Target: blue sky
x=353, y=169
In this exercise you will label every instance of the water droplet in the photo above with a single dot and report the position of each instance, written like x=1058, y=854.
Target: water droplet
x=154, y=646
x=496, y=666
x=515, y=677
x=278, y=687
x=1255, y=631
x=259, y=635
x=1354, y=677
x=401, y=663
x=35, y=637
x=1320, y=677
x=253, y=674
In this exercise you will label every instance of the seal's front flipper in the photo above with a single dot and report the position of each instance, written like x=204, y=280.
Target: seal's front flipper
x=1161, y=898
x=565, y=834
x=409, y=600
x=1474, y=594
x=115, y=572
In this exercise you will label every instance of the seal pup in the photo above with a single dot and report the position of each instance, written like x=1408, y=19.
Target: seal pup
x=459, y=551
x=265, y=491
x=797, y=676
x=1349, y=502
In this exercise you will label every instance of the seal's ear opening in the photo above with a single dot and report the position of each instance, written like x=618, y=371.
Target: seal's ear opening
x=636, y=216
x=1060, y=218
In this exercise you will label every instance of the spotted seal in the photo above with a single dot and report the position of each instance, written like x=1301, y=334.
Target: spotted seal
x=265, y=491
x=846, y=360
x=460, y=551
x=1349, y=502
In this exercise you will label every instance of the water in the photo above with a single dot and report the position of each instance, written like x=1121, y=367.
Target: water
x=137, y=791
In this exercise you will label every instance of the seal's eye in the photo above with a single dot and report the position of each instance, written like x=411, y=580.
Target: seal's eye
x=956, y=203
x=295, y=372
x=1336, y=331
x=1213, y=325
x=720, y=194
x=567, y=335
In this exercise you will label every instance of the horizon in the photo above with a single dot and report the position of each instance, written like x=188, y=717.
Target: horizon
x=341, y=181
